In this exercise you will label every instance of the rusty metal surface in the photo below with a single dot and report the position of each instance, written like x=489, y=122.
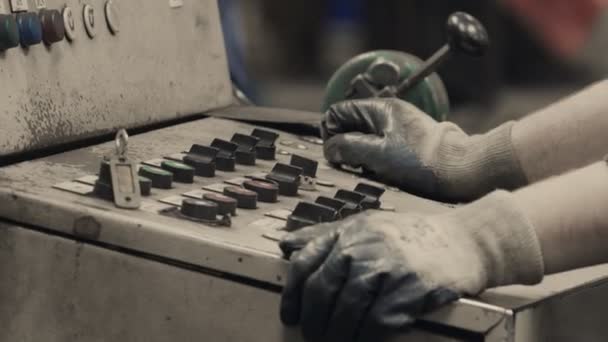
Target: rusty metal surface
x=164, y=63
x=27, y=195
x=71, y=291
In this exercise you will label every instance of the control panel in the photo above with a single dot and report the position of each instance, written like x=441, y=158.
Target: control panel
x=75, y=69
x=214, y=192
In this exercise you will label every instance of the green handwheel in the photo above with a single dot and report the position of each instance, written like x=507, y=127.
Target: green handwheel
x=385, y=66
x=386, y=73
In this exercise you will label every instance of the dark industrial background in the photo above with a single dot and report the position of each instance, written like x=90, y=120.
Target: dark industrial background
x=283, y=53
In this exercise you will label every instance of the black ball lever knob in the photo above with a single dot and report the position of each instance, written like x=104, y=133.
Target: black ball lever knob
x=466, y=34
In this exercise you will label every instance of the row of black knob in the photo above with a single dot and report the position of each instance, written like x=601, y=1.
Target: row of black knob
x=343, y=204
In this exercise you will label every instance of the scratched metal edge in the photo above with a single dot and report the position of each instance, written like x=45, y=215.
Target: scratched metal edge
x=232, y=259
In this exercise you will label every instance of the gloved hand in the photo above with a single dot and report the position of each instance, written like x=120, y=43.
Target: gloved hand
x=403, y=146
x=370, y=275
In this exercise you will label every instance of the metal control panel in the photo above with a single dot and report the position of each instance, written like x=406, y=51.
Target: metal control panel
x=75, y=69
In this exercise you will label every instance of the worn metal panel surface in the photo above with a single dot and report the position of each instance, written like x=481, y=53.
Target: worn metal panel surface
x=28, y=196
x=164, y=63
x=68, y=291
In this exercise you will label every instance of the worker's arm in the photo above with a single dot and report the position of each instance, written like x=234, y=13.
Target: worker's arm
x=405, y=147
x=570, y=216
x=370, y=275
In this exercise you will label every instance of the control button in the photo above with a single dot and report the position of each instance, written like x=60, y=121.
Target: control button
x=225, y=205
x=53, y=30
x=307, y=214
x=182, y=173
x=267, y=191
x=308, y=166
x=145, y=186
x=69, y=25
x=353, y=201
x=9, y=32
x=88, y=16
x=333, y=203
x=112, y=17
x=288, y=178
x=265, y=148
x=160, y=178
x=103, y=185
x=245, y=153
x=372, y=195
x=30, y=29
x=225, y=159
x=200, y=210
x=103, y=190
x=246, y=199
x=202, y=159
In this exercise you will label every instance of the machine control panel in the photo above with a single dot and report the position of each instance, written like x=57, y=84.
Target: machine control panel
x=213, y=192
x=75, y=69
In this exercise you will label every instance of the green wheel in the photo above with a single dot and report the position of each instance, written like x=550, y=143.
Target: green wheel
x=429, y=95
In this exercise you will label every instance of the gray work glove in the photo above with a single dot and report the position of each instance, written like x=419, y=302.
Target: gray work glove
x=370, y=275
x=403, y=146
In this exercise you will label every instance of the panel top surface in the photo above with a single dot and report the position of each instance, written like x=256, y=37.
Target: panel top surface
x=164, y=62
x=28, y=196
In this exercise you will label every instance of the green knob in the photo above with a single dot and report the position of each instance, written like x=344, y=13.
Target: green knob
x=9, y=32
x=182, y=173
x=160, y=178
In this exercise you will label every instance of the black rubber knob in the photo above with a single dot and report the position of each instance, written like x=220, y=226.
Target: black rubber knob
x=267, y=191
x=200, y=210
x=53, y=29
x=246, y=199
x=145, y=186
x=160, y=178
x=9, y=32
x=203, y=166
x=182, y=173
x=225, y=205
x=104, y=172
x=466, y=34
x=103, y=185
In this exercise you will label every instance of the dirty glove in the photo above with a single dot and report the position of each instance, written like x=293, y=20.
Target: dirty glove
x=402, y=145
x=370, y=275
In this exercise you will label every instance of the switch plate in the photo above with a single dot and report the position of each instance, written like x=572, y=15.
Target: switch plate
x=176, y=3
x=40, y=4
x=19, y=6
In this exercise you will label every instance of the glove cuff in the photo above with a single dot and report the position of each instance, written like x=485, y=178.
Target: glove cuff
x=476, y=165
x=504, y=237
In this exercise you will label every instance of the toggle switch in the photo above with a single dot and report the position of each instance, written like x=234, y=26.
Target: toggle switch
x=182, y=173
x=53, y=30
x=288, y=178
x=202, y=159
x=372, y=195
x=267, y=191
x=103, y=185
x=160, y=178
x=308, y=166
x=307, y=214
x=353, y=201
x=333, y=203
x=199, y=209
x=246, y=199
x=245, y=153
x=30, y=29
x=225, y=159
x=225, y=205
x=9, y=32
x=265, y=148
